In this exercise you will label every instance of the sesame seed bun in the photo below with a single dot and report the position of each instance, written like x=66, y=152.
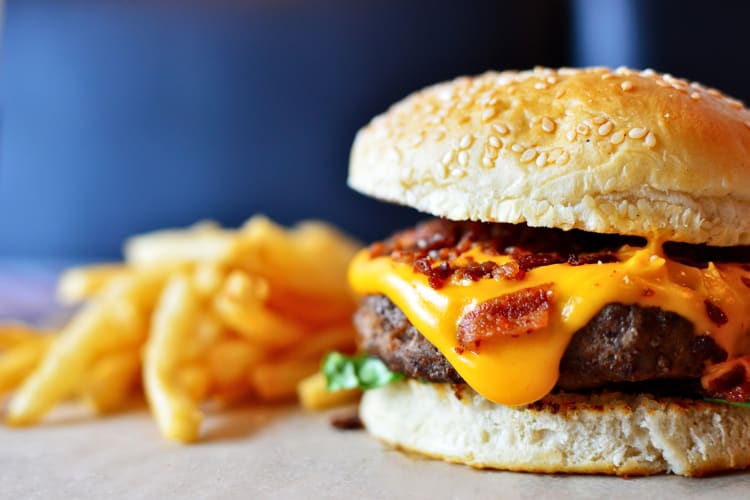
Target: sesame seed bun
x=610, y=433
x=606, y=151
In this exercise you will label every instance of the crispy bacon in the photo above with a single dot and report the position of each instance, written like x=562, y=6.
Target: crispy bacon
x=512, y=314
x=715, y=313
x=729, y=380
x=439, y=243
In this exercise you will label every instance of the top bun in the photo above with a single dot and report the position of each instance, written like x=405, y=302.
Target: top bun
x=620, y=151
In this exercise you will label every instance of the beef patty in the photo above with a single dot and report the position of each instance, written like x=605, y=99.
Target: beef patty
x=621, y=344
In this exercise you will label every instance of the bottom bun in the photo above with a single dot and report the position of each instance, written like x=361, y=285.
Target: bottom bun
x=608, y=433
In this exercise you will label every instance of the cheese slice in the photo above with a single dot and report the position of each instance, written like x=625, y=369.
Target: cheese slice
x=520, y=370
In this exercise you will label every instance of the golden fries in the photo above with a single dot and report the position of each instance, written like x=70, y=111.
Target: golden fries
x=119, y=312
x=82, y=283
x=192, y=315
x=314, y=396
x=110, y=383
x=200, y=243
x=277, y=381
x=20, y=360
x=14, y=334
x=311, y=259
x=176, y=413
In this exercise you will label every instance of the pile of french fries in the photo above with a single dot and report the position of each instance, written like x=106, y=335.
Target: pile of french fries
x=204, y=314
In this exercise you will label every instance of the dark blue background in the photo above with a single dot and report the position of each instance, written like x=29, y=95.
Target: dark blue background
x=120, y=117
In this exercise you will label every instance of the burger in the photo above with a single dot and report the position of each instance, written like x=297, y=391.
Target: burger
x=580, y=300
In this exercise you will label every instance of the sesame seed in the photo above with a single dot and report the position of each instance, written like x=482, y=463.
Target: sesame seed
x=494, y=141
x=626, y=85
x=714, y=93
x=490, y=152
x=648, y=72
x=540, y=86
x=501, y=129
x=465, y=141
x=463, y=158
x=563, y=158
x=541, y=160
x=488, y=114
x=417, y=140
x=551, y=80
x=599, y=120
x=438, y=135
x=607, y=76
x=559, y=93
x=517, y=148
x=571, y=135
x=662, y=83
x=582, y=129
x=487, y=162
x=650, y=140
x=736, y=104
x=637, y=132
x=617, y=137
x=528, y=155
x=695, y=96
x=679, y=88
x=458, y=173
x=606, y=128
x=555, y=154
x=448, y=157
x=548, y=125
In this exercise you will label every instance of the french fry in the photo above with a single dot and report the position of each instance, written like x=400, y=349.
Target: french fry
x=120, y=312
x=314, y=396
x=207, y=331
x=311, y=259
x=196, y=380
x=217, y=314
x=313, y=311
x=176, y=413
x=14, y=334
x=246, y=289
x=202, y=243
x=337, y=338
x=111, y=381
x=277, y=380
x=82, y=283
x=229, y=360
x=258, y=324
x=208, y=278
x=20, y=360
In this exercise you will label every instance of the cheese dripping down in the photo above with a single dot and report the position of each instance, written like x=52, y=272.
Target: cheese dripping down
x=523, y=369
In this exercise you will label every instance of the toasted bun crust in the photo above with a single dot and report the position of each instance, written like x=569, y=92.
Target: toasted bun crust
x=606, y=434
x=594, y=149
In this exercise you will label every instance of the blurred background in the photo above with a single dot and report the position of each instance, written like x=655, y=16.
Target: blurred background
x=123, y=116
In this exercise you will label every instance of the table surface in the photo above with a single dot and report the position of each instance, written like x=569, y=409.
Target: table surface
x=261, y=452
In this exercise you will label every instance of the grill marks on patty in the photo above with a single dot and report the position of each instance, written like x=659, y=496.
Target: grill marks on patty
x=621, y=344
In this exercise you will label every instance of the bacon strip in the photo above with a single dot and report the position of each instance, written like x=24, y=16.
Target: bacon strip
x=512, y=314
x=729, y=380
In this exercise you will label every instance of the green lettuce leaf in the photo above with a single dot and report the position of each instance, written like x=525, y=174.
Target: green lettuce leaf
x=362, y=371
x=744, y=404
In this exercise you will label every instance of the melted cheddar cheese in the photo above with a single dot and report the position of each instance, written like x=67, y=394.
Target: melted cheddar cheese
x=519, y=370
